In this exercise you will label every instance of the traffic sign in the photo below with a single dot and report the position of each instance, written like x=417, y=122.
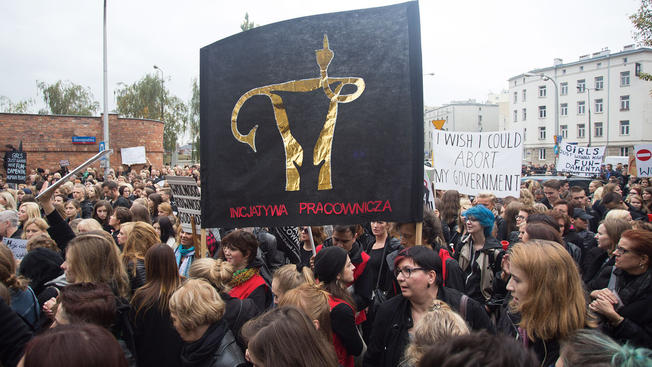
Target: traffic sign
x=643, y=155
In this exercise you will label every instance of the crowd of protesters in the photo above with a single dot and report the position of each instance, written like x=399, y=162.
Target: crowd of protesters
x=558, y=276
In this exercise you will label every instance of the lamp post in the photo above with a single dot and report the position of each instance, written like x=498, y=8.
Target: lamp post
x=173, y=156
x=546, y=78
x=105, y=114
x=588, y=103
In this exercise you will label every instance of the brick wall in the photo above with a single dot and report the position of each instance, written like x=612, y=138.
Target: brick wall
x=47, y=139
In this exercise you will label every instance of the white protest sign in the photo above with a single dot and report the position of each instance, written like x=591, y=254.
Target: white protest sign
x=134, y=155
x=581, y=161
x=643, y=154
x=187, y=197
x=472, y=163
x=17, y=246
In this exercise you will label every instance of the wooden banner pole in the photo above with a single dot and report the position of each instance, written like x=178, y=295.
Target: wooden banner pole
x=418, y=234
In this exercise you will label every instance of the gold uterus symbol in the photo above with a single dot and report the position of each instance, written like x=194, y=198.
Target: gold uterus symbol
x=293, y=150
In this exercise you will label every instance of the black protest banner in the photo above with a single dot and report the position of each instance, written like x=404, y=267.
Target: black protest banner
x=288, y=241
x=188, y=200
x=15, y=165
x=315, y=120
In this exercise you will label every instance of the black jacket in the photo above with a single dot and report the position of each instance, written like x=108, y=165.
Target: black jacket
x=59, y=230
x=157, y=342
x=237, y=312
x=272, y=258
x=14, y=334
x=635, y=292
x=389, y=337
x=363, y=284
x=216, y=348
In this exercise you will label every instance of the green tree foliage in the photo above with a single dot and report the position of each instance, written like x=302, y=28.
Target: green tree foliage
x=149, y=98
x=24, y=106
x=67, y=98
x=642, y=21
x=246, y=24
x=193, y=120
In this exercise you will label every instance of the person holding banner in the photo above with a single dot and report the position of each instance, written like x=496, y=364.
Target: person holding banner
x=185, y=252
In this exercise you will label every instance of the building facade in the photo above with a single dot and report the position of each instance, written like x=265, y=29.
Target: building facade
x=598, y=100
x=460, y=116
x=50, y=139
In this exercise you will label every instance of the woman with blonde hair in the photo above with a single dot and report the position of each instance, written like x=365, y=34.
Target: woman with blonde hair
x=7, y=200
x=89, y=224
x=197, y=314
x=314, y=302
x=439, y=324
x=35, y=226
x=93, y=257
x=141, y=237
x=27, y=211
x=288, y=277
x=219, y=274
x=548, y=294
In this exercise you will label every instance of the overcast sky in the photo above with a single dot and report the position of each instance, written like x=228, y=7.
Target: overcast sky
x=473, y=47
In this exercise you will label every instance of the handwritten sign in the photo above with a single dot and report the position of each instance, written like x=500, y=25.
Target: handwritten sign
x=472, y=163
x=581, y=161
x=643, y=155
x=188, y=199
x=16, y=163
x=17, y=246
x=134, y=155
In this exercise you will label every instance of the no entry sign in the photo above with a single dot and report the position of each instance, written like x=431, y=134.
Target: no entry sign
x=643, y=155
x=643, y=160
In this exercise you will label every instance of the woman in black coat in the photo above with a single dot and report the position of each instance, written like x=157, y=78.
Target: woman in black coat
x=626, y=304
x=157, y=342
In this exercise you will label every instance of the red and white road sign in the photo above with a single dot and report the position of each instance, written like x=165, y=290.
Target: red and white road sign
x=643, y=155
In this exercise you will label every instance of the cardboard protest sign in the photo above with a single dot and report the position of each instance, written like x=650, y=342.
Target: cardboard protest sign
x=188, y=199
x=316, y=120
x=134, y=155
x=472, y=163
x=15, y=165
x=643, y=155
x=580, y=161
x=17, y=246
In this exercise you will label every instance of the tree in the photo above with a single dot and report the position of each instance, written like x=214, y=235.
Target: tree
x=149, y=98
x=193, y=120
x=24, y=106
x=642, y=21
x=246, y=24
x=67, y=98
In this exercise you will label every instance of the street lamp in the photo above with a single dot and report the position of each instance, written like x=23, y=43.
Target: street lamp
x=546, y=78
x=588, y=103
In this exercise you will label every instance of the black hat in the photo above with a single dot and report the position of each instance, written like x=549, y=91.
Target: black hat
x=329, y=262
x=580, y=213
x=40, y=266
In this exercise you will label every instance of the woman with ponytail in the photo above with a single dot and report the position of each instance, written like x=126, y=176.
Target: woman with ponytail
x=157, y=343
x=288, y=277
x=219, y=274
x=23, y=299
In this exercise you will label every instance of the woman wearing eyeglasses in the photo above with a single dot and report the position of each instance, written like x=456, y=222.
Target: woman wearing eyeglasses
x=418, y=271
x=626, y=303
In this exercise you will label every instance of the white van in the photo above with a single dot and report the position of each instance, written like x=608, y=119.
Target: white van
x=614, y=160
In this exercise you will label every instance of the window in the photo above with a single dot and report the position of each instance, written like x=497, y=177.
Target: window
x=581, y=131
x=542, y=91
x=564, y=131
x=524, y=114
x=624, y=79
x=598, y=129
x=624, y=103
x=564, y=109
x=581, y=85
x=563, y=71
x=515, y=116
x=542, y=133
x=542, y=111
x=624, y=127
x=564, y=89
x=542, y=154
x=581, y=107
x=598, y=65
x=599, y=83
x=523, y=95
x=624, y=60
x=598, y=105
x=515, y=97
x=581, y=68
x=624, y=151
